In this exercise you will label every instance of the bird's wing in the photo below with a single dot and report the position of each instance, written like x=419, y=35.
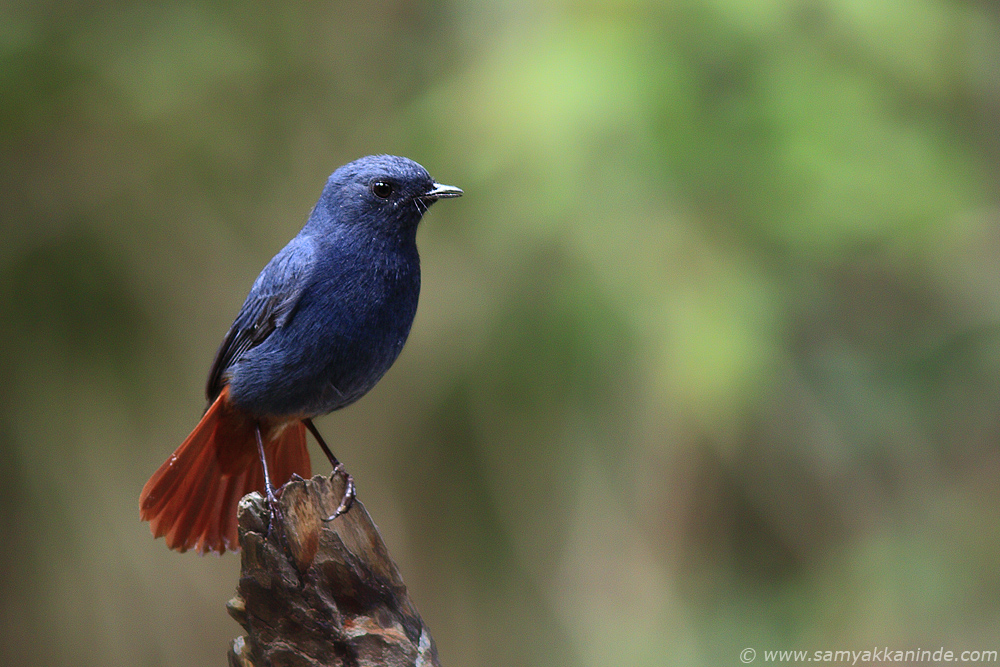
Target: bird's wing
x=270, y=305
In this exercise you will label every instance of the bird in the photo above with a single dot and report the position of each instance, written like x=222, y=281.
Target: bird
x=323, y=322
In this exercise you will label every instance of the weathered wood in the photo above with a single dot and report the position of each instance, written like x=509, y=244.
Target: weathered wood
x=318, y=594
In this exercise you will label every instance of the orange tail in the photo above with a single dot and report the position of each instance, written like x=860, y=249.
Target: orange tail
x=192, y=498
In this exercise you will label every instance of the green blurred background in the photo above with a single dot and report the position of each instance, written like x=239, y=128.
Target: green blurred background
x=706, y=358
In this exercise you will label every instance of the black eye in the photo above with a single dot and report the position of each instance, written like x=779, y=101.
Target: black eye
x=381, y=189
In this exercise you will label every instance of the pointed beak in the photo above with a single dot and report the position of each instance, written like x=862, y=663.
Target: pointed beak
x=442, y=192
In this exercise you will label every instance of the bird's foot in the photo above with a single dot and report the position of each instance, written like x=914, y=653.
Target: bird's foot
x=274, y=511
x=274, y=515
x=347, y=500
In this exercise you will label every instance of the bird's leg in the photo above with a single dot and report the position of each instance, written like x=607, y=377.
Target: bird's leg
x=272, y=501
x=338, y=469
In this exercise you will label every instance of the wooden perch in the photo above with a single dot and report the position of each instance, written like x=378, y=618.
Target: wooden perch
x=318, y=594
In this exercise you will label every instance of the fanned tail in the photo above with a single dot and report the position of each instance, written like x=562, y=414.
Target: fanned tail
x=191, y=499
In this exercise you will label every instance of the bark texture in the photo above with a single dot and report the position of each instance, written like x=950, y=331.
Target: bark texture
x=316, y=593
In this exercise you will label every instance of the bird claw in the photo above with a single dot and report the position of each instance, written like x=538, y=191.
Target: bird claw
x=274, y=511
x=347, y=500
x=274, y=515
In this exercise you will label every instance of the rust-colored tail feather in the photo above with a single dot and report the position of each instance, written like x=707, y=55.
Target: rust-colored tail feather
x=191, y=499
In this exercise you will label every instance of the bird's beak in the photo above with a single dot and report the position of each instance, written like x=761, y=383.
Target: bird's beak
x=442, y=191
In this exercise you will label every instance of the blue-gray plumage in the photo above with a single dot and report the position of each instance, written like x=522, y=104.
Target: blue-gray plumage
x=322, y=324
x=329, y=314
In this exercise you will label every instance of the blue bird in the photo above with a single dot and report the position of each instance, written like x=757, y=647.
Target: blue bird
x=323, y=322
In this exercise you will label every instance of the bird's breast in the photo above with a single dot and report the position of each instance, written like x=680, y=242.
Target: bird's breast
x=346, y=332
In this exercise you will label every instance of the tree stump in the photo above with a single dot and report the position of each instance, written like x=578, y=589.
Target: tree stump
x=318, y=594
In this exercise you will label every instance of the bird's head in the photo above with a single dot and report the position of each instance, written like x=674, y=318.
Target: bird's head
x=381, y=192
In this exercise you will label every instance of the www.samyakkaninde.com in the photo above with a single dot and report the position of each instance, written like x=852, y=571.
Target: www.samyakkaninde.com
x=878, y=654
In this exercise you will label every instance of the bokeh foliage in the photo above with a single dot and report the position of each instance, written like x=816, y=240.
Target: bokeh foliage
x=707, y=357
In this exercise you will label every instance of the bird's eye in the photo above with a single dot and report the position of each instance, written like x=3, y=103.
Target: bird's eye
x=381, y=189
